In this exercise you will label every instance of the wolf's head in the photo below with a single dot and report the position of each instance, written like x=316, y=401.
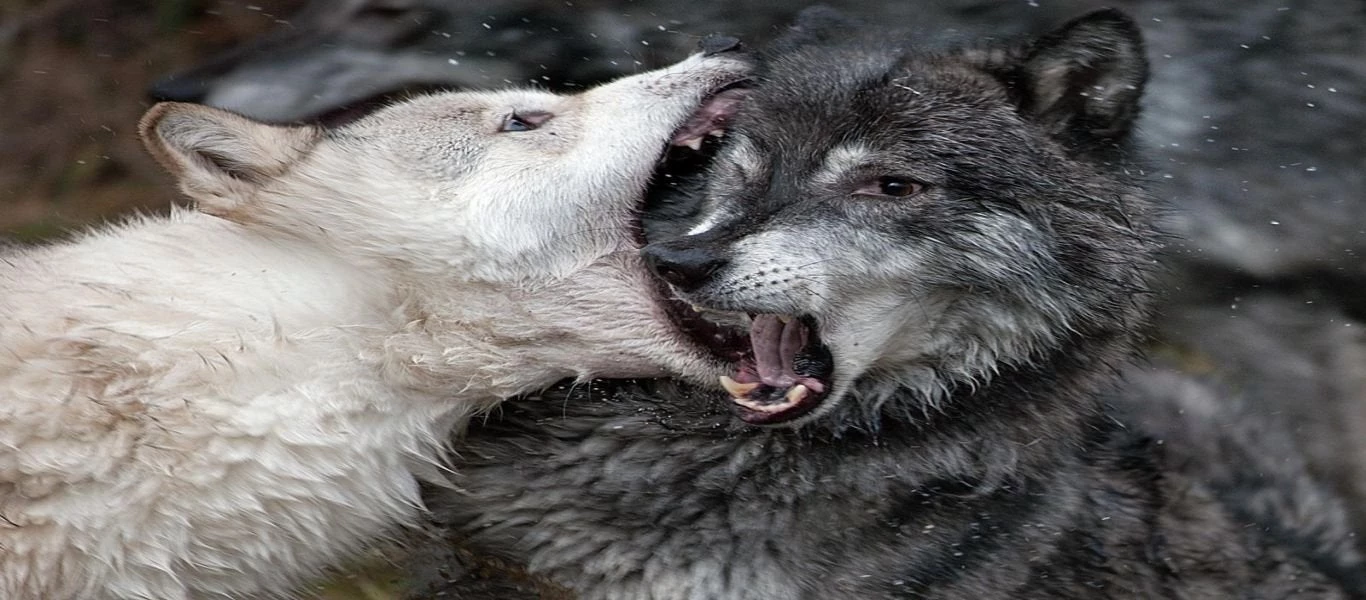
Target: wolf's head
x=514, y=212
x=885, y=217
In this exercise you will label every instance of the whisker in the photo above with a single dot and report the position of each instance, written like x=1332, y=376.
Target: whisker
x=808, y=290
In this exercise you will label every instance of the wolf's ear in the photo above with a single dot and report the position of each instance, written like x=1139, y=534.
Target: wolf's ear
x=1085, y=79
x=814, y=25
x=219, y=158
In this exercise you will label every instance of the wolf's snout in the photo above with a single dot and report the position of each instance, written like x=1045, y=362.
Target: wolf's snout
x=685, y=267
x=716, y=44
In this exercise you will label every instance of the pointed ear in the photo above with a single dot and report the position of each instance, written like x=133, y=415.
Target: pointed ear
x=219, y=158
x=1084, y=80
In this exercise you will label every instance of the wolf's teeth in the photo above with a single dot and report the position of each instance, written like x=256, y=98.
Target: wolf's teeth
x=758, y=407
x=797, y=394
x=694, y=143
x=785, y=319
x=717, y=133
x=695, y=308
x=737, y=390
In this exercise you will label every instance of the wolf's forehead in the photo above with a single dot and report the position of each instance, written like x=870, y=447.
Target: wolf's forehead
x=873, y=78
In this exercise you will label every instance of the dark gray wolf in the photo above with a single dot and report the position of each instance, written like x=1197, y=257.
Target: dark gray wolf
x=928, y=265
x=1253, y=118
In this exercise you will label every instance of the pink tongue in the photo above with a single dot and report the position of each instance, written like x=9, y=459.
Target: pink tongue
x=775, y=347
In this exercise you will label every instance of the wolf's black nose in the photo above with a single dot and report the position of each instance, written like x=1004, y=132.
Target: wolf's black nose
x=686, y=267
x=716, y=44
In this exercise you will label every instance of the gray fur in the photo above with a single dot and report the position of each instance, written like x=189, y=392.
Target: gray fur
x=1289, y=383
x=976, y=328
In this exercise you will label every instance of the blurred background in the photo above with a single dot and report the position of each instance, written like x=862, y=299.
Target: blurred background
x=74, y=76
x=1255, y=124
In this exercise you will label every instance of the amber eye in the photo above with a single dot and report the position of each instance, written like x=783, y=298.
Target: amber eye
x=895, y=187
x=525, y=121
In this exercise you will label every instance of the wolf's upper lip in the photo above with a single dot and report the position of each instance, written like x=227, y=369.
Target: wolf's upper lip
x=712, y=117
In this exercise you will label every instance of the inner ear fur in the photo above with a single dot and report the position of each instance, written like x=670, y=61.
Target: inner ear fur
x=1084, y=80
x=220, y=158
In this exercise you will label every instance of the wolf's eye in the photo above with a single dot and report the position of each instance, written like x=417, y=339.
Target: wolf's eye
x=896, y=187
x=525, y=121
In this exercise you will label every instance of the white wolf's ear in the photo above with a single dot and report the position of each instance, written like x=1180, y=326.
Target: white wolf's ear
x=220, y=158
x=1085, y=79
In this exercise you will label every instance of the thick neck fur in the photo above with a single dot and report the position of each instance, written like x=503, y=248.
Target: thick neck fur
x=1052, y=386
x=1003, y=486
x=914, y=473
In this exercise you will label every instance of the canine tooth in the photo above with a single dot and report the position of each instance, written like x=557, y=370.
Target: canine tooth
x=694, y=307
x=797, y=394
x=717, y=133
x=785, y=319
x=694, y=143
x=736, y=389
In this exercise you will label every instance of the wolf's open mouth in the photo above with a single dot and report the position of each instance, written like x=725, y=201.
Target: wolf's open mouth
x=711, y=118
x=682, y=167
x=684, y=160
x=782, y=370
x=786, y=373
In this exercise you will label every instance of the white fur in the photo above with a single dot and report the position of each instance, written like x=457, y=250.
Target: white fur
x=224, y=402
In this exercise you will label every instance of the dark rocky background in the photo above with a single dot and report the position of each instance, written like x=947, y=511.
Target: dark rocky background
x=73, y=83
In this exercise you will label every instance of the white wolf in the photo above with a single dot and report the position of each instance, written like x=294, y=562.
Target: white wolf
x=223, y=402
